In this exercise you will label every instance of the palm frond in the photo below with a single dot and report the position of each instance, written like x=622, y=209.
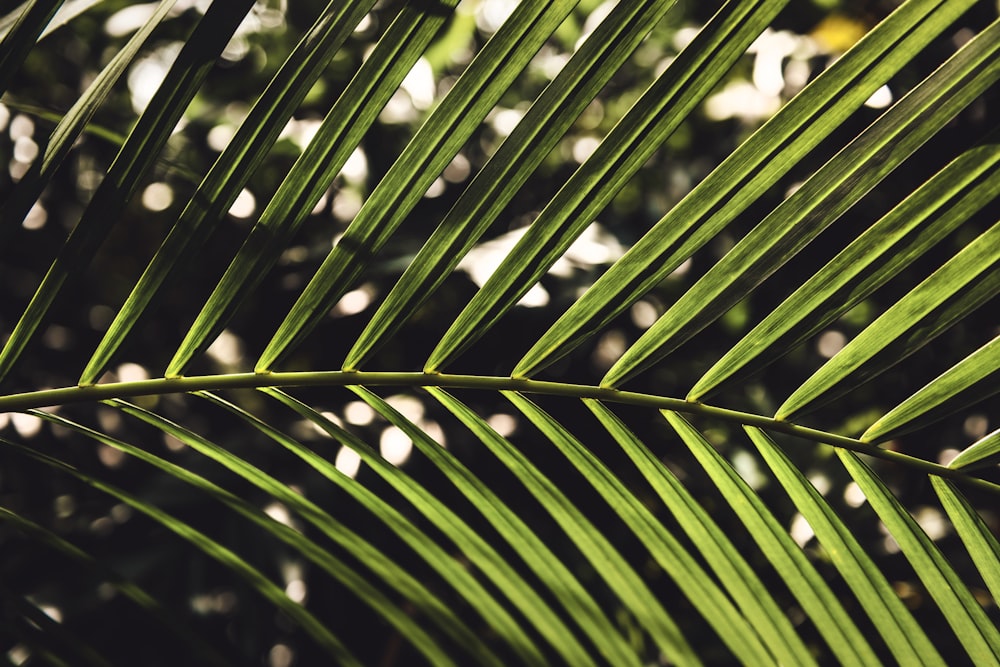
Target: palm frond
x=624, y=476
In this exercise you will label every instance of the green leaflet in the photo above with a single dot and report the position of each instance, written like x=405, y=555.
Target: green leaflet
x=230, y=172
x=817, y=600
x=489, y=562
x=670, y=554
x=979, y=454
x=342, y=129
x=881, y=252
x=819, y=201
x=544, y=124
x=966, y=383
x=433, y=147
x=976, y=633
x=605, y=559
x=898, y=628
x=745, y=175
x=421, y=544
x=578, y=603
x=649, y=122
x=964, y=283
x=981, y=544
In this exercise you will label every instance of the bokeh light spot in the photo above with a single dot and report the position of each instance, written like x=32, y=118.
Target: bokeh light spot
x=348, y=462
x=395, y=446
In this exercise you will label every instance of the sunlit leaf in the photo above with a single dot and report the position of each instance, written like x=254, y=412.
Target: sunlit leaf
x=977, y=634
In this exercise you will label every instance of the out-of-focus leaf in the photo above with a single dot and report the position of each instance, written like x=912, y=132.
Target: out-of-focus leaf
x=196, y=58
x=18, y=37
x=72, y=124
x=253, y=577
x=128, y=589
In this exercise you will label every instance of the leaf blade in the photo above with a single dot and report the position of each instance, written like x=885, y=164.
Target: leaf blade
x=735, y=632
x=230, y=172
x=744, y=175
x=823, y=198
x=814, y=595
x=433, y=147
x=970, y=381
x=899, y=238
x=606, y=560
x=904, y=637
x=961, y=285
x=508, y=169
x=619, y=156
x=977, y=635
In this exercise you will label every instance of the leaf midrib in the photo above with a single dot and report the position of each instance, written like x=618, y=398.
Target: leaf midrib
x=159, y=386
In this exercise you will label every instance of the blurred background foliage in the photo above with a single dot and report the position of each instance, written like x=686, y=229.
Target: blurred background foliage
x=804, y=39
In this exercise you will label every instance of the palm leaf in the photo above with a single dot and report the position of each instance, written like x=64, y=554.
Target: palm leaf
x=487, y=515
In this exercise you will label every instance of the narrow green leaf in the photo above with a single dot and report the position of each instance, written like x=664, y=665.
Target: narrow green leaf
x=817, y=600
x=252, y=576
x=142, y=599
x=904, y=637
x=964, y=283
x=472, y=546
x=980, y=542
x=230, y=172
x=823, y=198
x=535, y=553
x=431, y=150
x=607, y=562
x=314, y=553
x=737, y=576
x=633, y=140
x=979, y=454
x=196, y=58
x=72, y=124
x=541, y=128
x=747, y=174
x=881, y=252
x=18, y=39
x=385, y=569
x=974, y=379
x=669, y=553
x=976, y=633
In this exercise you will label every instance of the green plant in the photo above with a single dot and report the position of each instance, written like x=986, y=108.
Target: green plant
x=597, y=539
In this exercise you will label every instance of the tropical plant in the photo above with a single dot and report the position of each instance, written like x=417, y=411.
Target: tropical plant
x=483, y=482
